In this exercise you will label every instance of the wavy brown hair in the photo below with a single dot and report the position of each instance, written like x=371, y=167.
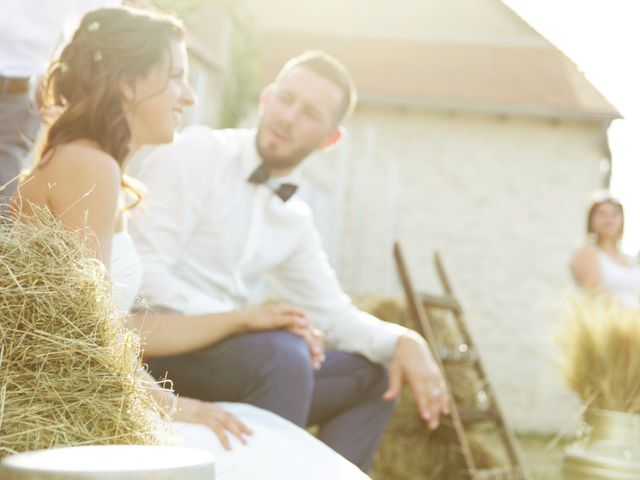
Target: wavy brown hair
x=81, y=89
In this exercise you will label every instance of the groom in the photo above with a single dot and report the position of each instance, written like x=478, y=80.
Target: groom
x=221, y=216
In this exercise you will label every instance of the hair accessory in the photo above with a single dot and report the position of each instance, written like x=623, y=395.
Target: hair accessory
x=604, y=196
x=93, y=26
x=64, y=68
x=97, y=56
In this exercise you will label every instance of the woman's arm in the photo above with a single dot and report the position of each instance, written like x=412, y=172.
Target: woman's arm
x=166, y=334
x=190, y=410
x=585, y=269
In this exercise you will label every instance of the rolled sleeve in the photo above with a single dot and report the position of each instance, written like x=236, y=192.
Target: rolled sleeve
x=307, y=280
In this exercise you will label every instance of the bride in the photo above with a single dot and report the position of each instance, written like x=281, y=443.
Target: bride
x=121, y=83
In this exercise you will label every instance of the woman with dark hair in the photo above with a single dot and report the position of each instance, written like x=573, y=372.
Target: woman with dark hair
x=120, y=83
x=600, y=266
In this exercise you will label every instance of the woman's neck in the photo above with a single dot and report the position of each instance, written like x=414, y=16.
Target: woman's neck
x=609, y=245
x=133, y=148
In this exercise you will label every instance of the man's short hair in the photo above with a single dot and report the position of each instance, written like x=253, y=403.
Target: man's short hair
x=326, y=66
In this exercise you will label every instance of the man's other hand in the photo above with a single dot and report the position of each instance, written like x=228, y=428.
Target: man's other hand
x=413, y=364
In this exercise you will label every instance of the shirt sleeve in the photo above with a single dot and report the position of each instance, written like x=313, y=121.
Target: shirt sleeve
x=306, y=280
x=178, y=178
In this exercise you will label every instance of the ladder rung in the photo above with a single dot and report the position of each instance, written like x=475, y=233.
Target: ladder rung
x=474, y=415
x=451, y=356
x=506, y=472
x=437, y=301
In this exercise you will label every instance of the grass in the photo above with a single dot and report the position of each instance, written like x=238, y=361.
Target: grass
x=543, y=455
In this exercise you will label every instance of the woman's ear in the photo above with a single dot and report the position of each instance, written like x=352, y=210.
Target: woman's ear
x=127, y=91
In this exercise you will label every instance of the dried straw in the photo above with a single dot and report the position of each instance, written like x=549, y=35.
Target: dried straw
x=601, y=347
x=69, y=370
x=408, y=450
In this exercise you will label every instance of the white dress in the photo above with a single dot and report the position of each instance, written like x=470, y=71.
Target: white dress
x=277, y=449
x=623, y=282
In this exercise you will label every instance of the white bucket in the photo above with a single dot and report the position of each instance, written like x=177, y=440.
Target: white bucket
x=116, y=462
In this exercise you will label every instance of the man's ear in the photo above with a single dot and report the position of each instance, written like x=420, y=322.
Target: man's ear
x=332, y=139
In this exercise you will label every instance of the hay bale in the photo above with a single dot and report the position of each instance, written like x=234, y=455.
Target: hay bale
x=408, y=449
x=69, y=370
x=600, y=342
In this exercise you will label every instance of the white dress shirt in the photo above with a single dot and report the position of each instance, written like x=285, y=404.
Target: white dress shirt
x=208, y=237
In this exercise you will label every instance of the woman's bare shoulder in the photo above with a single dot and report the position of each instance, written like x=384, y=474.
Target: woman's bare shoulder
x=75, y=170
x=78, y=159
x=587, y=252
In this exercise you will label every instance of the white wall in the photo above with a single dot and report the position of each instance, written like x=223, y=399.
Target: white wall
x=474, y=21
x=503, y=199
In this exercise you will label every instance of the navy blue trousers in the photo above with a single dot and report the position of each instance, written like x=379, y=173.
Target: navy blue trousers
x=272, y=370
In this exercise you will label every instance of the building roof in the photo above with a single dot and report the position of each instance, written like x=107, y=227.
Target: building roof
x=532, y=80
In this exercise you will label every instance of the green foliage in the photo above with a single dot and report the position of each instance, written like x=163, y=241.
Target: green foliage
x=242, y=80
x=242, y=76
x=180, y=8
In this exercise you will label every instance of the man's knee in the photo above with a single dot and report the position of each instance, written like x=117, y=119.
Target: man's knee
x=282, y=354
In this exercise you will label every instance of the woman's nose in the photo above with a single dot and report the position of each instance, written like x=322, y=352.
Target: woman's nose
x=188, y=95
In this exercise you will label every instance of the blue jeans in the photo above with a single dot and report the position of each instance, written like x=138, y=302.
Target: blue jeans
x=19, y=123
x=272, y=370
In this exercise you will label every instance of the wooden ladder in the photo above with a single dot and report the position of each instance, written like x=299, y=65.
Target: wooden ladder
x=466, y=353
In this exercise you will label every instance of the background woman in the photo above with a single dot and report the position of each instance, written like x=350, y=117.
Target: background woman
x=599, y=266
x=119, y=84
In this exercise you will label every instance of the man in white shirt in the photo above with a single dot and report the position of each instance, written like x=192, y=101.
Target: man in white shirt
x=30, y=30
x=220, y=216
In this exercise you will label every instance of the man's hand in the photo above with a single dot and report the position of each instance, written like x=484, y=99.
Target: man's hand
x=190, y=410
x=414, y=364
x=285, y=317
x=314, y=339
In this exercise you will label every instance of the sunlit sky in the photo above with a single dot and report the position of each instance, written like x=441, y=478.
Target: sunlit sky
x=603, y=38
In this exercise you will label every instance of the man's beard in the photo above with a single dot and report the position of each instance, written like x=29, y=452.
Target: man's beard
x=274, y=161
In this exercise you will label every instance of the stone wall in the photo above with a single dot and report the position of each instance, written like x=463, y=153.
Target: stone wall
x=502, y=198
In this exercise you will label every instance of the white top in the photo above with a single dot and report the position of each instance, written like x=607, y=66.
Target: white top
x=30, y=31
x=621, y=281
x=208, y=238
x=125, y=271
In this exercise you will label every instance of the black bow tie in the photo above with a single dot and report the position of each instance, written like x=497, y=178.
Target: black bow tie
x=261, y=176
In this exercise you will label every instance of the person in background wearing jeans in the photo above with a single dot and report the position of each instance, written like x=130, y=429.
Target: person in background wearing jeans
x=30, y=30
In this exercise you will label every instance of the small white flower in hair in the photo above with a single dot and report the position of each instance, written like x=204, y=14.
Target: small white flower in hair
x=64, y=68
x=93, y=26
x=97, y=57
